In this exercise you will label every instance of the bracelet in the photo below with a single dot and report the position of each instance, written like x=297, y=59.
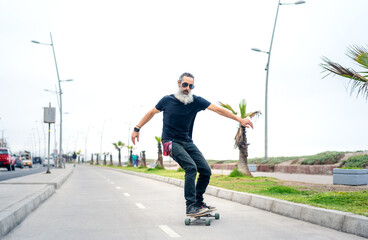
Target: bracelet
x=136, y=129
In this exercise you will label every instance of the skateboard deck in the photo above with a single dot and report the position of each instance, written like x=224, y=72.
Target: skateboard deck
x=202, y=218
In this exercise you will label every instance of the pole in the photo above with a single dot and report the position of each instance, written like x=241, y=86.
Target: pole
x=48, y=153
x=266, y=91
x=60, y=162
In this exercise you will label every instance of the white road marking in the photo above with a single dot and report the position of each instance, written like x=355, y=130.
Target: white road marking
x=112, y=183
x=169, y=231
x=140, y=206
x=127, y=194
x=117, y=187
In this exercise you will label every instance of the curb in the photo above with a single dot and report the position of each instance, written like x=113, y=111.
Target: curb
x=337, y=220
x=17, y=212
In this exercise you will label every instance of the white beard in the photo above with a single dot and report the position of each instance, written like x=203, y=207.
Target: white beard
x=184, y=98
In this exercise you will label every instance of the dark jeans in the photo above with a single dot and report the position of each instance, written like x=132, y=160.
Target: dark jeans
x=188, y=156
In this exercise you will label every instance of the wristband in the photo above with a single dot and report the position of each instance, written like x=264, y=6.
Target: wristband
x=136, y=129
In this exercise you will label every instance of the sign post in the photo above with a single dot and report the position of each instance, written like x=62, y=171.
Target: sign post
x=49, y=115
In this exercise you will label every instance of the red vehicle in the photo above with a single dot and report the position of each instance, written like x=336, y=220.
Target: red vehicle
x=6, y=159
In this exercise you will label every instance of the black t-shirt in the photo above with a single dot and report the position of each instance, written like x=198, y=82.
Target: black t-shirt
x=179, y=118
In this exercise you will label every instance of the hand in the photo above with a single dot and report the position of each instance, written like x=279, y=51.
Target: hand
x=246, y=123
x=135, y=135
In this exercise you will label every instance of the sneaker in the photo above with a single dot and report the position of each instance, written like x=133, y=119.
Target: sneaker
x=209, y=208
x=194, y=209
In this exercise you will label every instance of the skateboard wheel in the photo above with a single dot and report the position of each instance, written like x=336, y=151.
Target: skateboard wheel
x=217, y=216
x=208, y=221
x=187, y=221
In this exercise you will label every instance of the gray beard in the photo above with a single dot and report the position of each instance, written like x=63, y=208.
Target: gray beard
x=186, y=99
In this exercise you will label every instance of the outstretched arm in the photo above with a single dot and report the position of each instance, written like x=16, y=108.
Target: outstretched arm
x=145, y=119
x=223, y=112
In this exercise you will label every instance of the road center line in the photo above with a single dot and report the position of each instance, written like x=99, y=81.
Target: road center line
x=126, y=194
x=117, y=187
x=169, y=231
x=140, y=206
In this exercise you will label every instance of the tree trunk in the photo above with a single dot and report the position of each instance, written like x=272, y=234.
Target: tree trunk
x=160, y=161
x=131, y=157
x=92, y=159
x=243, y=154
x=143, y=156
x=111, y=159
x=104, y=162
x=97, y=157
x=119, y=156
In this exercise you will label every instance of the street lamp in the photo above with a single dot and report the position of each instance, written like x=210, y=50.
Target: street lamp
x=267, y=72
x=60, y=93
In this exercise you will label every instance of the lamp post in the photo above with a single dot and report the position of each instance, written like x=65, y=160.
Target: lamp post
x=61, y=102
x=268, y=70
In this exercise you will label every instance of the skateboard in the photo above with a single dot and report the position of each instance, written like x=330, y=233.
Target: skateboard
x=202, y=218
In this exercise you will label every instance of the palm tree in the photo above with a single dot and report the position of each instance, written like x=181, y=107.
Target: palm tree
x=358, y=79
x=105, y=155
x=143, y=157
x=160, y=161
x=241, y=136
x=119, y=145
x=130, y=155
x=97, y=158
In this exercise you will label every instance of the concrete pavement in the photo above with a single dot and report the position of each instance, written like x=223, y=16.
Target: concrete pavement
x=21, y=196
x=100, y=203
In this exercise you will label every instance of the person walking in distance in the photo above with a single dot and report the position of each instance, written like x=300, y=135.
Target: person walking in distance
x=179, y=112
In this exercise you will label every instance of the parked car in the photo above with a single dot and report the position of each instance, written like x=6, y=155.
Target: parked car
x=52, y=162
x=37, y=160
x=19, y=161
x=7, y=160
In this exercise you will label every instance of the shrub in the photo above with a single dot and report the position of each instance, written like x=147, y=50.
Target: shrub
x=323, y=158
x=180, y=170
x=159, y=167
x=236, y=173
x=357, y=161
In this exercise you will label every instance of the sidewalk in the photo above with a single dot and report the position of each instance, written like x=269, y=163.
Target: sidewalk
x=20, y=196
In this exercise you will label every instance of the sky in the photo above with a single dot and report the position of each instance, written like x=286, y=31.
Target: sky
x=124, y=56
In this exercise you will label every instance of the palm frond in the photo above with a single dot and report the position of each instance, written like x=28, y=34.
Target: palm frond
x=243, y=108
x=359, y=54
x=253, y=114
x=116, y=146
x=337, y=69
x=228, y=107
x=158, y=139
x=121, y=144
x=357, y=81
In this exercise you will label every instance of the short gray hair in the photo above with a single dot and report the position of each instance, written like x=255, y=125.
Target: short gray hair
x=186, y=74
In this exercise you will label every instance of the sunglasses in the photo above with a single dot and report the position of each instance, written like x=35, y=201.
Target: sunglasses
x=184, y=85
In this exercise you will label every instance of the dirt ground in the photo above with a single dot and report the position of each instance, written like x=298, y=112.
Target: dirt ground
x=324, y=187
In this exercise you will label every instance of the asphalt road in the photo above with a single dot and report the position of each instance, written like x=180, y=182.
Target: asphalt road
x=97, y=203
x=20, y=172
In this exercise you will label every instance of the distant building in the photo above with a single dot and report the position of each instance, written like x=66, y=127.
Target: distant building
x=3, y=142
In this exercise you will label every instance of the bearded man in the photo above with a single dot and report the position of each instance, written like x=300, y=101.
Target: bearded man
x=179, y=112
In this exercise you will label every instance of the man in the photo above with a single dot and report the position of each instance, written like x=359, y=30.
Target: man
x=179, y=111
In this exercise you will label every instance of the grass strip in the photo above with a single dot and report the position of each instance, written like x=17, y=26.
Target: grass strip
x=354, y=202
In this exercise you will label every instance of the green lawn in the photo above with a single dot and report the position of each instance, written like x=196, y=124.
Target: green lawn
x=355, y=202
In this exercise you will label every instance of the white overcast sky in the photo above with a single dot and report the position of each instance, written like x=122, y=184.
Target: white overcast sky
x=125, y=55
